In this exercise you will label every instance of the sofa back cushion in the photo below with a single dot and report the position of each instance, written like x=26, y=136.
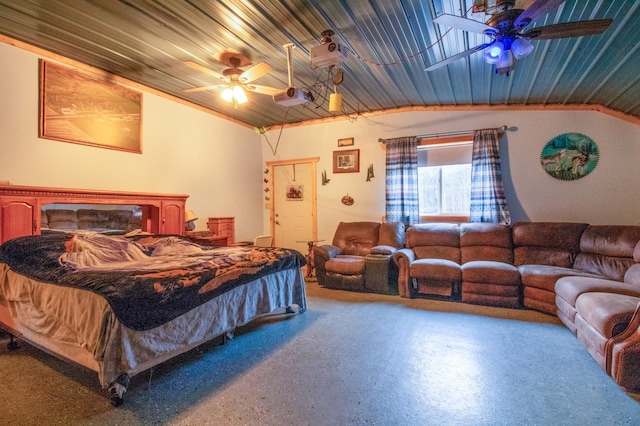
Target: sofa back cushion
x=486, y=241
x=435, y=241
x=392, y=234
x=546, y=243
x=608, y=250
x=356, y=238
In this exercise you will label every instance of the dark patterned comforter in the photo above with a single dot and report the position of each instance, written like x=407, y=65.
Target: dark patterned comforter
x=147, y=280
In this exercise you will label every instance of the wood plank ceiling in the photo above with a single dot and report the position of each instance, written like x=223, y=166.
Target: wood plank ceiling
x=389, y=44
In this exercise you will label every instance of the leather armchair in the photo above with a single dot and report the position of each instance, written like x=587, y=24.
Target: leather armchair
x=359, y=257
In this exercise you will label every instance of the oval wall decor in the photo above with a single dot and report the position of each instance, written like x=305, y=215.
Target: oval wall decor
x=569, y=156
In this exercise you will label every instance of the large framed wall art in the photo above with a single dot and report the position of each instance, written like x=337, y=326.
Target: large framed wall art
x=569, y=156
x=88, y=109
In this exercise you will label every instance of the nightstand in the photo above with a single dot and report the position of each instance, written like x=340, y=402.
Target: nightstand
x=207, y=238
x=223, y=227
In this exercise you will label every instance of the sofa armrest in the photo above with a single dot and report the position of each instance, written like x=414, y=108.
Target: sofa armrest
x=326, y=251
x=403, y=259
x=383, y=250
x=623, y=355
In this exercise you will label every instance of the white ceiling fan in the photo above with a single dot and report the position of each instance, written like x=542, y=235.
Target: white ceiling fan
x=234, y=79
x=506, y=28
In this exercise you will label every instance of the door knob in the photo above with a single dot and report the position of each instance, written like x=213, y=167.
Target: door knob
x=277, y=223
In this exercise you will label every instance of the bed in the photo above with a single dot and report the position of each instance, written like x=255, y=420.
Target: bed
x=121, y=304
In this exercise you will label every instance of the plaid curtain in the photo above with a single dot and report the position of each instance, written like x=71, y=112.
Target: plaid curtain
x=488, y=203
x=402, y=180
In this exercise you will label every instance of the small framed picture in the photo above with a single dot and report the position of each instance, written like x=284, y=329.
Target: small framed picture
x=295, y=192
x=345, y=142
x=346, y=161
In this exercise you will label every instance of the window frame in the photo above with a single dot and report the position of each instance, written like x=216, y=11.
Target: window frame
x=444, y=141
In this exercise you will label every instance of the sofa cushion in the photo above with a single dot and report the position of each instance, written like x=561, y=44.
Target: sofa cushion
x=608, y=313
x=570, y=288
x=356, y=238
x=392, y=234
x=546, y=243
x=485, y=241
x=543, y=256
x=441, y=269
x=433, y=234
x=484, y=271
x=607, y=250
x=545, y=276
x=346, y=265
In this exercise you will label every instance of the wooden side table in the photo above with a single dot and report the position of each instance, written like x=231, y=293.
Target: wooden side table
x=207, y=238
x=223, y=227
x=309, y=257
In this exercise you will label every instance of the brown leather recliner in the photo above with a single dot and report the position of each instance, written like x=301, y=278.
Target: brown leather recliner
x=359, y=257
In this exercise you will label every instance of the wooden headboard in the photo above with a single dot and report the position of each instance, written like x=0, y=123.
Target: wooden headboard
x=20, y=208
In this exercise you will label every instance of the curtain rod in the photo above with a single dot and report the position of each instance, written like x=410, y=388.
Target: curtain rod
x=458, y=133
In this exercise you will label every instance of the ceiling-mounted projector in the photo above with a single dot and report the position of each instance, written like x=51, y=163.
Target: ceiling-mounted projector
x=290, y=97
x=327, y=54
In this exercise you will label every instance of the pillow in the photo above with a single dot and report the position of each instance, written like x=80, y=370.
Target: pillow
x=44, y=220
x=119, y=219
x=62, y=219
x=92, y=219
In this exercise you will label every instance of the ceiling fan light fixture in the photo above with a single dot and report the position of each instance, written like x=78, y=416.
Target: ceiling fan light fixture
x=234, y=94
x=494, y=52
x=239, y=95
x=227, y=94
x=521, y=47
x=506, y=60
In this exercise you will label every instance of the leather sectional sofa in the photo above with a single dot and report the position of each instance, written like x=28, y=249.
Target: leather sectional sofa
x=587, y=275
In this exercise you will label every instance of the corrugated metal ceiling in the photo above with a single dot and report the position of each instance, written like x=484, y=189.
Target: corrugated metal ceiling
x=389, y=43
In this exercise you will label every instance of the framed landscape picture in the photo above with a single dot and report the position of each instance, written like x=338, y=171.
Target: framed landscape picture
x=346, y=161
x=345, y=142
x=88, y=109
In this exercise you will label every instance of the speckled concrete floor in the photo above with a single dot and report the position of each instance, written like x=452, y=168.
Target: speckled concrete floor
x=351, y=359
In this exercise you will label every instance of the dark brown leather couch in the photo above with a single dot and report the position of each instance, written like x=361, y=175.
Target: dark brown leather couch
x=587, y=275
x=359, y=257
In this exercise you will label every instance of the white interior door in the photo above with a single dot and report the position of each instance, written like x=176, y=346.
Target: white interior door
x=294, y=216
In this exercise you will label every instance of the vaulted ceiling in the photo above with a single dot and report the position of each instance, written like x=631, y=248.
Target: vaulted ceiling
x=389, y=43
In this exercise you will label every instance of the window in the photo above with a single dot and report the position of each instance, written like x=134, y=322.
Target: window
x=444, y=181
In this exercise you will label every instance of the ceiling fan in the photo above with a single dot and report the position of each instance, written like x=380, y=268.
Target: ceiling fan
x=235, y=80
x=506, y=28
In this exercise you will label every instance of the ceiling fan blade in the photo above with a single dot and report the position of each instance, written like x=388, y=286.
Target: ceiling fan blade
x=203, y=88
x=206, y=70
x=534, y=11
x=263, y=90
x=569, y=29
x=456, y=57
x=255, y=72
x=463, y=23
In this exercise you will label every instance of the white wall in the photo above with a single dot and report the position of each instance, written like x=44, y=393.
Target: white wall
x=184, y=151
x=609, y=195
x=220, y=164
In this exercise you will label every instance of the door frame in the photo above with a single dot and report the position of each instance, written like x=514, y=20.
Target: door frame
x=313, y=161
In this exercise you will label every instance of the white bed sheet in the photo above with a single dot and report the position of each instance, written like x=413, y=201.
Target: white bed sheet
x=79, y=325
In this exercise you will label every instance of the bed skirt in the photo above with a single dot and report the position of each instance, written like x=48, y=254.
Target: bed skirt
x=79, y=326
